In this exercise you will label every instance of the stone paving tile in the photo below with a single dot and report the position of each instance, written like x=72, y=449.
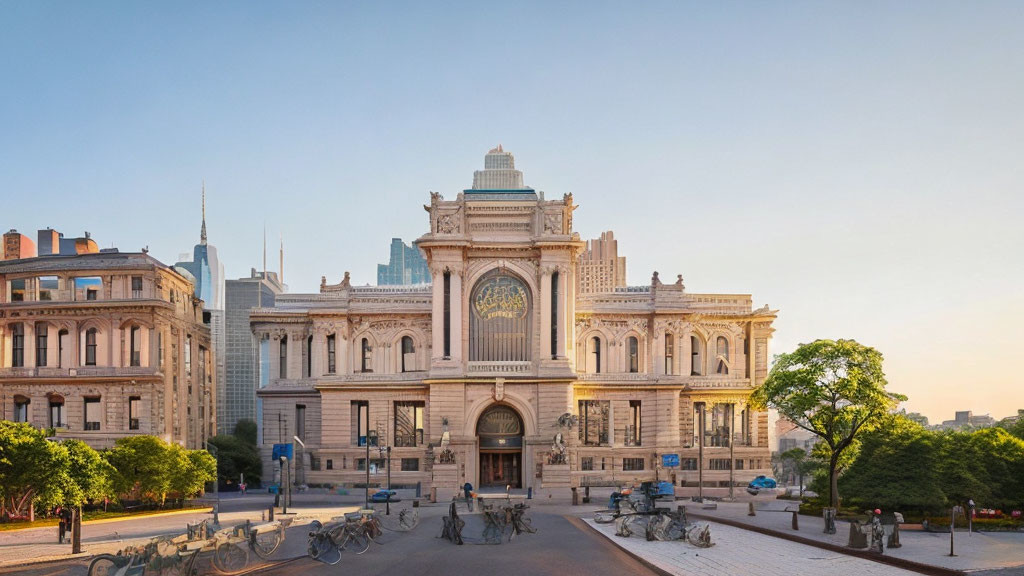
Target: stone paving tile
x=741, y=552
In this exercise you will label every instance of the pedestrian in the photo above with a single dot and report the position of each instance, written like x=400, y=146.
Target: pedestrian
x=242, y=488
x=62, y=528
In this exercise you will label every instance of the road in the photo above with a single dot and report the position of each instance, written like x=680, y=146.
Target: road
x=562, y=545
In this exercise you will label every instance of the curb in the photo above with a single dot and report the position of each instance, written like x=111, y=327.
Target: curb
x=918, y=567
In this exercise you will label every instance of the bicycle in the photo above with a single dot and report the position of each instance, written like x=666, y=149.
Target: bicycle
x=231, y=546
x=170, y=556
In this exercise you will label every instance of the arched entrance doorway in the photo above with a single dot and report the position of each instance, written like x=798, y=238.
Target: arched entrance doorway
x=500, y=435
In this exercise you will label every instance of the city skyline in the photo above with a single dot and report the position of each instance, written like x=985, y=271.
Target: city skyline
x=867, y=187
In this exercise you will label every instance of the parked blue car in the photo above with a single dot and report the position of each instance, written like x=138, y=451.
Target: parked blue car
x=382, y=496
x=760, y=483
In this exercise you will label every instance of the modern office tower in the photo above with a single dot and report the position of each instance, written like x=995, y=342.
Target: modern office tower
x=406, y=266
x=599, y=266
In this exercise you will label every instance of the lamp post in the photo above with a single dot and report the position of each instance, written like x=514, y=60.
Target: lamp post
x=300, y=463
x=216, y=482
x=387, y=501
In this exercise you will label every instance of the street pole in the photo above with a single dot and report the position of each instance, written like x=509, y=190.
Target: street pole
x=387, y=505
x=952, y=529
x=732, y=442
x=216, y=482
x=366, y=494
x=700, y=453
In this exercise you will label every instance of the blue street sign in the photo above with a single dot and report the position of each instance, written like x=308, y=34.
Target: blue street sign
x=669, y=460
x=286, y=450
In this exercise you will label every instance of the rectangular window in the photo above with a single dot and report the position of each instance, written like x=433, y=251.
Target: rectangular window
x=331, y=350
x=18, y=290
x=330, y=464
x=632, y=464
x=718, y=425
x=408, y=424
x=283, y=358
x=367, y=356
x=554, y=315
x=92, y=413
x=360, y=421
x=136, y=286
x=160, y=349
x=21, y=409
x=410, y=464
x=41, y=344
x=134, y=410
x=634, y=429
x=670, y=346
x=62, y=336
x=188, y=356
x=136, y=346
x=587, y=463
x=309, y=357
x=57, y=413
x=719, y=464
x=634, y=354
x=593, y=422
x=47, y=287
x=739, y=464
x=90, y=347
x=300, y=421
x=314, y=463
x=688, y=464
x=18, y=345
x=447, y=315
x=87, y=288
x=376, y=465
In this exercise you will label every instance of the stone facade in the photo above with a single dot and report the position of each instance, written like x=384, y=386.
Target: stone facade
x=599, y=268
x=499, y=373
x=100, y=346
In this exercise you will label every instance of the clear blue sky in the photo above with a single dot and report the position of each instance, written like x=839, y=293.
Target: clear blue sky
x=856, y=165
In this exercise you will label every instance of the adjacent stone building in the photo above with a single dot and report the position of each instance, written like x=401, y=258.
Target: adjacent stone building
x=102, y=345
x=501, y=373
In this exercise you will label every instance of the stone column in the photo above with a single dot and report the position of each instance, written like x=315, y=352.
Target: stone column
x=658, y=352
x=545, y=312
x=319, y=353
x=74, y=360
x=275, y=356
x=563, y=318
x=29, y=344
x=456, y=308
x=437, y=312
x=5, y=349
x=569, y=329
x=296, y=342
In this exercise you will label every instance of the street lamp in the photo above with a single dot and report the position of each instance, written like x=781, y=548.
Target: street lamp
x=387, y=500
x=300, y=465
x=216, y=482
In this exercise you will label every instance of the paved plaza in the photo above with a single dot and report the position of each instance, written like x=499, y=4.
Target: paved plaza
x=737, y=551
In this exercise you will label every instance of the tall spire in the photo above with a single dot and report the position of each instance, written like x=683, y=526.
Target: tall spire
x=202, y=234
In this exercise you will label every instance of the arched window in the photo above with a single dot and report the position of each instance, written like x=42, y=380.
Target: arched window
x=90, y=347
x=62, y=336
x=695, y=356
x=408, y=354
x=723, y=355
x=367, y=355
x=633, y=349
x=500, y=316
x=670, y=346
x=331, y=358
x=17, y=345
x=57, y=411
x=594, y=358
x=309, y=356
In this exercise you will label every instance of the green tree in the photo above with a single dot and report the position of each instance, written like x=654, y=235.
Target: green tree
x=896, y=468
x=33, y=470
x=245, y=430
x=833, y=389
x=236, y=457
x=189, y=470
x=90, y=475
x=797, y=461
x=143, y=467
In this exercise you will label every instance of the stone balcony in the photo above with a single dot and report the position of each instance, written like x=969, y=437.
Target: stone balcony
x=500, y=368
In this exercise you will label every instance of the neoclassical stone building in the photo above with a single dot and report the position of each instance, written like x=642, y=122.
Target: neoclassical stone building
x=473, y=377
x=103, y=345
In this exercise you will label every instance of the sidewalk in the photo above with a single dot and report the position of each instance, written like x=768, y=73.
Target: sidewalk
x=738, y=551
x=978, y=551
x=38, y=544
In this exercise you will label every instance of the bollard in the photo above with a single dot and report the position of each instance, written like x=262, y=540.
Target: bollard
x=419, y=489
x=750, y=509
x=415, y=503
x=796, y=524
x=433, y=494
x=681, y=511
x=216, y=514
x=529, y=493
x=586, y=495
x=575, y=497
x=76, y=530
x=270, y=516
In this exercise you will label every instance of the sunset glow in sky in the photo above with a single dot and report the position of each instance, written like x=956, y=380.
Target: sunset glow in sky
x=855, y=165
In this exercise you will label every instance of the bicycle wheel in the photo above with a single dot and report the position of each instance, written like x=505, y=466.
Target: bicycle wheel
x=408, y=520
x=355, y=539
x=266, y=543
x=103, y=565
x=182, y=565
x=230, y=558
